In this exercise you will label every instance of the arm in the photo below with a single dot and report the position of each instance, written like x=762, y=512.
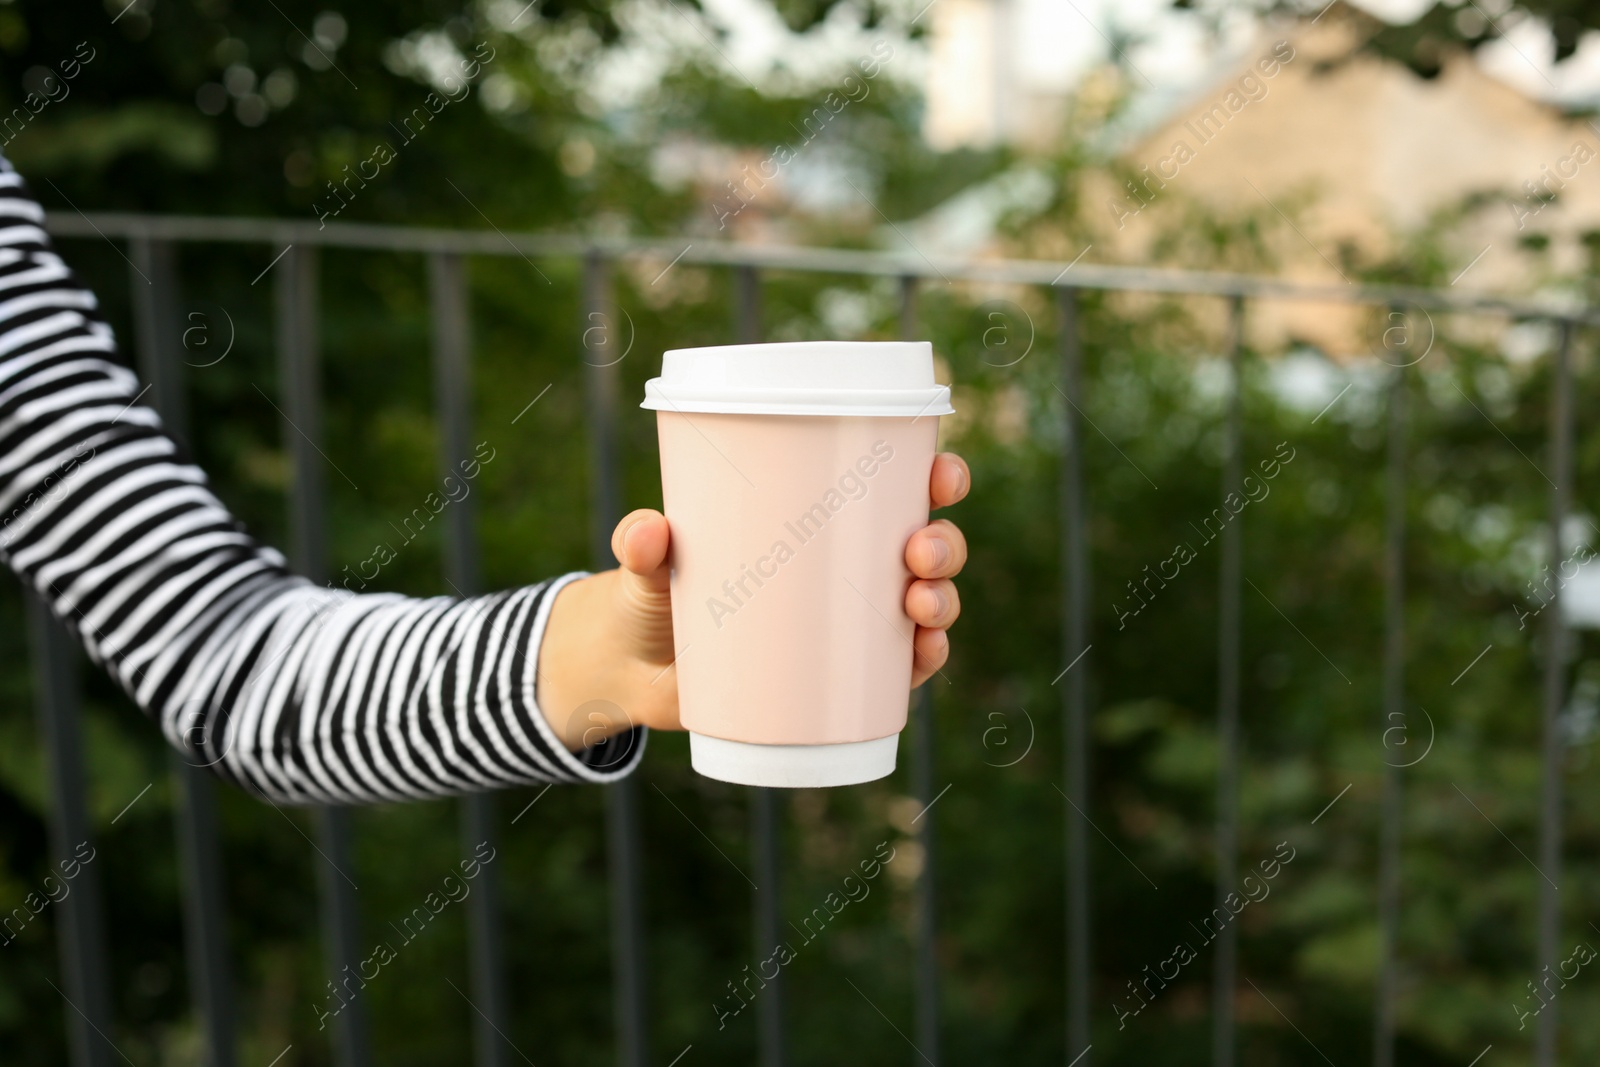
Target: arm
x=294, y=691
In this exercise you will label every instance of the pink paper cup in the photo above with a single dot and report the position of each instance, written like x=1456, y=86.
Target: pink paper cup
x=793, y=475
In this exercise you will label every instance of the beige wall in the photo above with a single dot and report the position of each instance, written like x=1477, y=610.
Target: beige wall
x=1355, y=149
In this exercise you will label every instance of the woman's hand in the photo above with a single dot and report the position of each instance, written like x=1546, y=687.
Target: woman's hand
x=606, y=661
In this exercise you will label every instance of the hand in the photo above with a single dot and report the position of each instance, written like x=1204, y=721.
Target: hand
x=609, y=639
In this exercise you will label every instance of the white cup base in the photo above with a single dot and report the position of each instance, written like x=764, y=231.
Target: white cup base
x=793, y=766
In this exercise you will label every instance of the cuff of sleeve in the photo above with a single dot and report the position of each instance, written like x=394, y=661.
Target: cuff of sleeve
x=614, y=758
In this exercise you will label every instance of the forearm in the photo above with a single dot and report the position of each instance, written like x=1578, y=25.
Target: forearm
x=298, y=692
x=360, y=698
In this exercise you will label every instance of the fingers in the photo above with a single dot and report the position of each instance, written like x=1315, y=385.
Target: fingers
x=933, y=604
x=640, y=544
x=950, y=480
x=936, y=553
x=938, y=550
x=932, y=649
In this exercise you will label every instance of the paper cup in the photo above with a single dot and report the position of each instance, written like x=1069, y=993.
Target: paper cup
x=793, y=475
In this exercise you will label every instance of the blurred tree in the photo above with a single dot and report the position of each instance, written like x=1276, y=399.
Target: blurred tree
x=212, y=107
x=1423, y=41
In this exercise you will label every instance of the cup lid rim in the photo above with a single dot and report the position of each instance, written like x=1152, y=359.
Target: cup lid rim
x=879, y=378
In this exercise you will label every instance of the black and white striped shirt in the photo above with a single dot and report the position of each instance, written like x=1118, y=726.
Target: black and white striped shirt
x=294, y=691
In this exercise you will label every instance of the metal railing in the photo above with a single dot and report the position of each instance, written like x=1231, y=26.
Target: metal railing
x=152, y=241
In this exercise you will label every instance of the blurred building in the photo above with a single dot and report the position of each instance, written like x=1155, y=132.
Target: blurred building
x=1301, y=123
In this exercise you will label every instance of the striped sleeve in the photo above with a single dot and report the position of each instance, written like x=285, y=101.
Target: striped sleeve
x=296, y=692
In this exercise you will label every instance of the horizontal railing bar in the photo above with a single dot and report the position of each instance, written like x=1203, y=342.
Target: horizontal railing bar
x=390, y=238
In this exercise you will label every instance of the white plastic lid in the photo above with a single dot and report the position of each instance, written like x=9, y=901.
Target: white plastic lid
x=893, y=378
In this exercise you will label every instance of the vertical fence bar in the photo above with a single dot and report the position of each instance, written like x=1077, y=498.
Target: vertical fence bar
x=622, y=799
x=746, y=305
x=908, y=307
x=299, y=371
x=1230, y=581
x=766, y=839
x=452, y=381
x=340, y=919
x=1555, y=685
x=153, y=279
x=1074, y=690
x=765, y=834
x=205, y=920
x=927, y=980
x=81, y=939
x=205, y=933
x=1394, y=715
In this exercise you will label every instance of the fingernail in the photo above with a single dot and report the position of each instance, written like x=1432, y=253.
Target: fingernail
x=941, y=552
x=622, y=538
x=941, y=601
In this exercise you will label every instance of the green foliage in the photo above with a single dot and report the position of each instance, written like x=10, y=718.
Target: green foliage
x=131, y=137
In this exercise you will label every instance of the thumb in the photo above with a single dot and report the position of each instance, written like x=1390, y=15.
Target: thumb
x=643, y=585
x=640, y=544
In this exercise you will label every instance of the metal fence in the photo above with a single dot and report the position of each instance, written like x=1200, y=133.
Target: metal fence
x=151, y=250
